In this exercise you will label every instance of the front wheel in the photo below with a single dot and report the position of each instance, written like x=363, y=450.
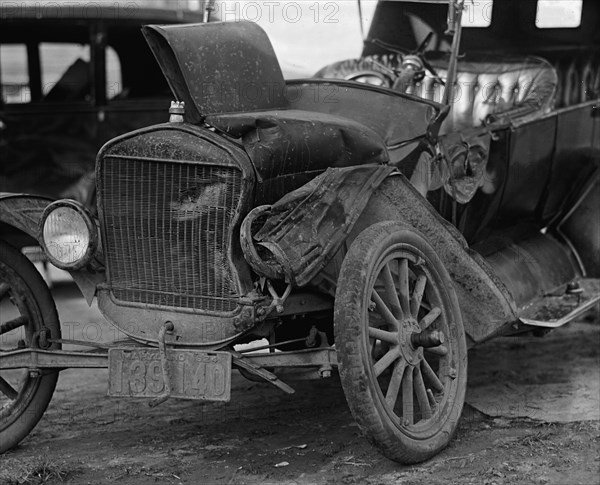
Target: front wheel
x=28, y=319
x=400, y=342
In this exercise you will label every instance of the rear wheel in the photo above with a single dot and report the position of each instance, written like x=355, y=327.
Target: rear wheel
x=28, y=319
x=400, y=343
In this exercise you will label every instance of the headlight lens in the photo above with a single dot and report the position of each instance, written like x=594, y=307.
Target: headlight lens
x=68, y=234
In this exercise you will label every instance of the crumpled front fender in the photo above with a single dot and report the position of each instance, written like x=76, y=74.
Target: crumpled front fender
x=307, y=226
x=310, y=227
x=23, y=212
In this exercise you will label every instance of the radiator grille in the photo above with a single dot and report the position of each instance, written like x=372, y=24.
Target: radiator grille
x=166, y=227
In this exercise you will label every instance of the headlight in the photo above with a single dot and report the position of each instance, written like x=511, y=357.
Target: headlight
x=68, y=233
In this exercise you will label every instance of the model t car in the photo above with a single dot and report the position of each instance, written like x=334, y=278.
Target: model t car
x=436, y=194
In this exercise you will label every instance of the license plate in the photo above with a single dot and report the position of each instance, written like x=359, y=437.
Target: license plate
x=193, y=374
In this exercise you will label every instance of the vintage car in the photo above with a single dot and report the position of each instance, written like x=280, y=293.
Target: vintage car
x=378, y=231
x=73, y=76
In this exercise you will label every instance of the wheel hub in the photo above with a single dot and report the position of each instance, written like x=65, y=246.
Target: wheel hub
x=411, y=353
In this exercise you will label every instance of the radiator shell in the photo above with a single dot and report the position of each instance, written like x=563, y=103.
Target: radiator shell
x=170, y=201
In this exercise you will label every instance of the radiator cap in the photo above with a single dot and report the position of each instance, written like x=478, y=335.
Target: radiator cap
x=176, y=111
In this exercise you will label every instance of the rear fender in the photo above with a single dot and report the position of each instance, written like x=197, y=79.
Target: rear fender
x=24, y=212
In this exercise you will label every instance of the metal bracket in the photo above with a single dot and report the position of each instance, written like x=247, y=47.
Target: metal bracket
x=255, y=369
x=162, y=349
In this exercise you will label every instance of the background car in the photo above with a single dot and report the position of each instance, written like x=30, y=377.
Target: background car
x=73, y=77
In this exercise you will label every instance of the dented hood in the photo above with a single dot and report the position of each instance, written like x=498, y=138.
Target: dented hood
x=220, y=67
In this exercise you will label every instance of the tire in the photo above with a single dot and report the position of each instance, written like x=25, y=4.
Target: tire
x=24, y=298
x=405, y=392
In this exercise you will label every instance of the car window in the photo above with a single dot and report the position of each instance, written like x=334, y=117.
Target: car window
x=114, y=81
x=66, y=72
x=552, y=14
x=15, y=76
x=478, y=14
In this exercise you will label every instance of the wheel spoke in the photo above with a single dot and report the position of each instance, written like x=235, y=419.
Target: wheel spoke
x=430, y=317
x=403, y=286
x=417, y=296
x=383, y=335
x=7, y=389
x=407, y=397
x=12, y=324
x=431, y=377
x=395, y=382
x=4, y=289
x=383, y=310
x=421, y=393
x=440, y=350
x=387, y=360
x=432, y=401
x=391, y=292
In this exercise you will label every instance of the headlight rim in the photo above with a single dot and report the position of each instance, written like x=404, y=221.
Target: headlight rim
x=90, y=223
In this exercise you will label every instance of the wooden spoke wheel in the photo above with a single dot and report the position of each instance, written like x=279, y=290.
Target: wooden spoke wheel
x=28, y=318
x=400, y=342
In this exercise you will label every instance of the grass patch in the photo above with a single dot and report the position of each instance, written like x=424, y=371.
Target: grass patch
x=33, y=471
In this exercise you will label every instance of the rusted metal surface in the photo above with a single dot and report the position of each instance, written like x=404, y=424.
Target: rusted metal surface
x=169, y=267
x=191, y=374
x=528, y=262
x=23, y=211
x=288, y=142
x=298, y=358
x=218, y=68
x=164, y=364
x=305, y=228
x=369, y=105
x=485, y=302
x=555, y=309
x=52, y=359
x=251, y=367
x=309, y=230
x=45, y=359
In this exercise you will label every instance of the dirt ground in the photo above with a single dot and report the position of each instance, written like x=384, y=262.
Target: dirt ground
x=264, y=436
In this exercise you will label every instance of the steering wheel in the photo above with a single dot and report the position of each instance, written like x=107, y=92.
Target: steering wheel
x=413, y=65
x=420, y=52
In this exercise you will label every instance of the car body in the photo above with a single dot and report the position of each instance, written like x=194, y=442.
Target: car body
x=380, y=230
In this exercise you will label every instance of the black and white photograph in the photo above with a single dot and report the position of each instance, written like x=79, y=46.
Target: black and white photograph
x=300, y=242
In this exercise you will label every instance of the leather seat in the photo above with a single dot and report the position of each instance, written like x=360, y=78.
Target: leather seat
x=489, y=90
x=486, y=88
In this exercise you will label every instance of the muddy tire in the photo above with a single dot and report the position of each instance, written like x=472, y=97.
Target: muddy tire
x=28, y=319
x=400, y=343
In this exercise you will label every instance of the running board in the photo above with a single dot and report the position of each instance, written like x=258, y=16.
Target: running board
x=556, y=309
